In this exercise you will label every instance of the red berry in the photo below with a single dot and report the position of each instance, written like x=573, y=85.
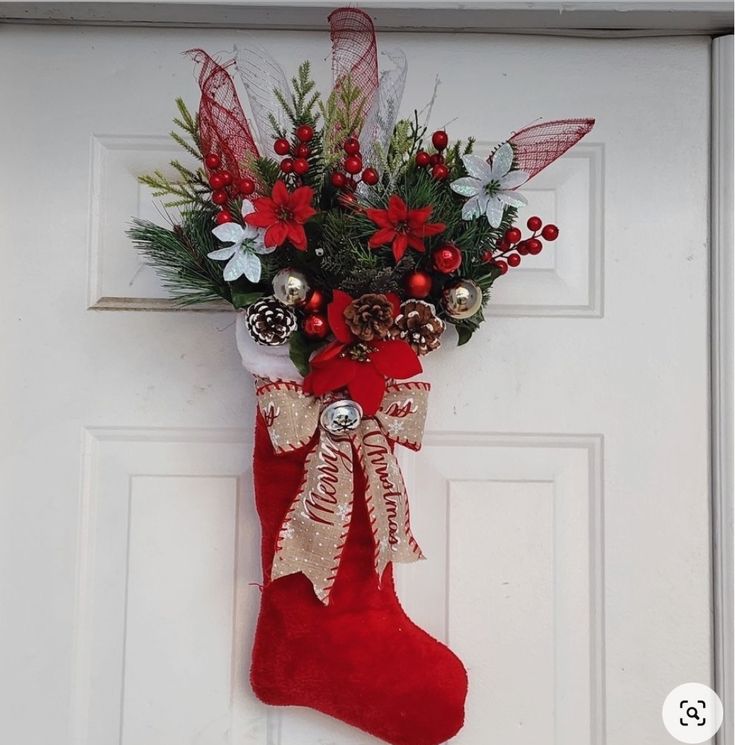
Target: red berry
x=370, y=176
x=315, y=326
x=216, y=181
x=338, y=180
x=436, y=158
x=223, y=217
x=302, y=151
x=247, y=186
x=487, y=257
x=212, y=161
x=418, y=284
x=422, y=159
x=353, y=164
x=447, y=258
x=281, y=146
x=301, y=166
x=351, y=146
x=219, y=196
x=514, y=260
x=503, y=244
x=522, y=248
x=512, y=235
x=439, y=139
x=287, y=165
x=440, y=172
x=534, y=223
x=226, y=177
x=550, y=232
x=502, y=266
x=534, y=246
x=314, y=303
x=305, y=132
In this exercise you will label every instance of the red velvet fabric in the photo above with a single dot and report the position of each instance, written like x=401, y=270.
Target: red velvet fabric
x=360, y=659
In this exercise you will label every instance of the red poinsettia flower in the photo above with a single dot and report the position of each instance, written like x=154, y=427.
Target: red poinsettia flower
x=402, y=226
x=283, y=215
x=361, y=367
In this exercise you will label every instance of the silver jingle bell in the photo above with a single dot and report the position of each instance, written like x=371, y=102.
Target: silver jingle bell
x=462, y=299
x=341, y=417
x=290, y=286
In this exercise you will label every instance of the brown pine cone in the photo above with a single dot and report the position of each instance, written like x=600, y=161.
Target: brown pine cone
x=370, y=317
x=270, y=322
x=417, y=324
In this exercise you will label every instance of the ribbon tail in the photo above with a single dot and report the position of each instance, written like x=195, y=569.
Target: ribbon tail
x=314, y=531
x=386, y=500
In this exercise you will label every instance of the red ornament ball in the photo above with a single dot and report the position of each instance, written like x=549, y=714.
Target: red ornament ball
x=302, y=151
x=351, y=146
x=315, y=326
x=418, y=284
x=440, y=172
x=305, y=132
x=522, y=248
x=514, y=260
x=314, y=303
x=447, y=258
x=534, y=223
x=436, y=158
x=219, y=196
x=550, y=232
x=512, y=235
x=370, y=176
x=287, y=165
x=223, y=217
x=534, y=246
x=338, y=180
x=247, y=186
x=353, y=164
x=281, y=146
x=439, y=139
x=300, y=166
x=422, y=159
x=216, y=181
x=212, y=161
x=502, y=266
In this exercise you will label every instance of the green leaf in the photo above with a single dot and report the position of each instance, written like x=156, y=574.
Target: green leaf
x=243, y=299
x=464, y=334
x=300, y=349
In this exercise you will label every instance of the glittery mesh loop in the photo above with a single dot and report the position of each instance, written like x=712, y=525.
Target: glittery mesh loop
x=540, y=145
x=223, y=127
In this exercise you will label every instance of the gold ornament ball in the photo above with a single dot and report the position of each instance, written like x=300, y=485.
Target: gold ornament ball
x=462, y=299
x=290, y=287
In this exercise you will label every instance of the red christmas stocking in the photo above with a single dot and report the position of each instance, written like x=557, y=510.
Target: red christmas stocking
x=358, y=658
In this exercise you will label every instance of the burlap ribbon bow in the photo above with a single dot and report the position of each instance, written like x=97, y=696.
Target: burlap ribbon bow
x=314, y=531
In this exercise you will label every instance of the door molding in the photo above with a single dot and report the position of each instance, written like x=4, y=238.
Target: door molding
x=581, y=18
x=722, y=349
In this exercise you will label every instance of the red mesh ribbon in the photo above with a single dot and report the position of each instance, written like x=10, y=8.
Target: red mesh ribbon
x=354, y=53
x=537, y=146
x=223, y=127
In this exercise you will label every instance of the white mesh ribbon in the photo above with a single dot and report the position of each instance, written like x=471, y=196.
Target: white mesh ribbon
x=262, y=76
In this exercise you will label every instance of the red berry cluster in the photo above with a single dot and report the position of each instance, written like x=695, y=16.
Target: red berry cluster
x=224, y=187
x=439, y=170
x=512, y=245
x=297, y=160
x=352, y=164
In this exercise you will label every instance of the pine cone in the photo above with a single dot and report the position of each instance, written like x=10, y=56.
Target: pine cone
x=417, y=324
x=370, y=317
x=270, y=322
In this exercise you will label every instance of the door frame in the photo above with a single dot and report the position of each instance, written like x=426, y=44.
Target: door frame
x=598, y=18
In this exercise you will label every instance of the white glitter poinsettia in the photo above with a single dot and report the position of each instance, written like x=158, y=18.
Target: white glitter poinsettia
x=490, y=186
x=241, y=256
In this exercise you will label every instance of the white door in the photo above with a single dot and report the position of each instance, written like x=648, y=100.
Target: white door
x=562, y=496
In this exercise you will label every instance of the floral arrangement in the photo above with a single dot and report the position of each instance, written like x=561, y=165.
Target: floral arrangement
x=351, y=235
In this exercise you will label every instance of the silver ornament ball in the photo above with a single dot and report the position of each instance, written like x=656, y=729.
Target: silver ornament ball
x=462, y=299
x=290, y=286
x=341, y=417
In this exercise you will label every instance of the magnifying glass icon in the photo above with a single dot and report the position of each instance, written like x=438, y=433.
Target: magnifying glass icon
x=692, y=713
